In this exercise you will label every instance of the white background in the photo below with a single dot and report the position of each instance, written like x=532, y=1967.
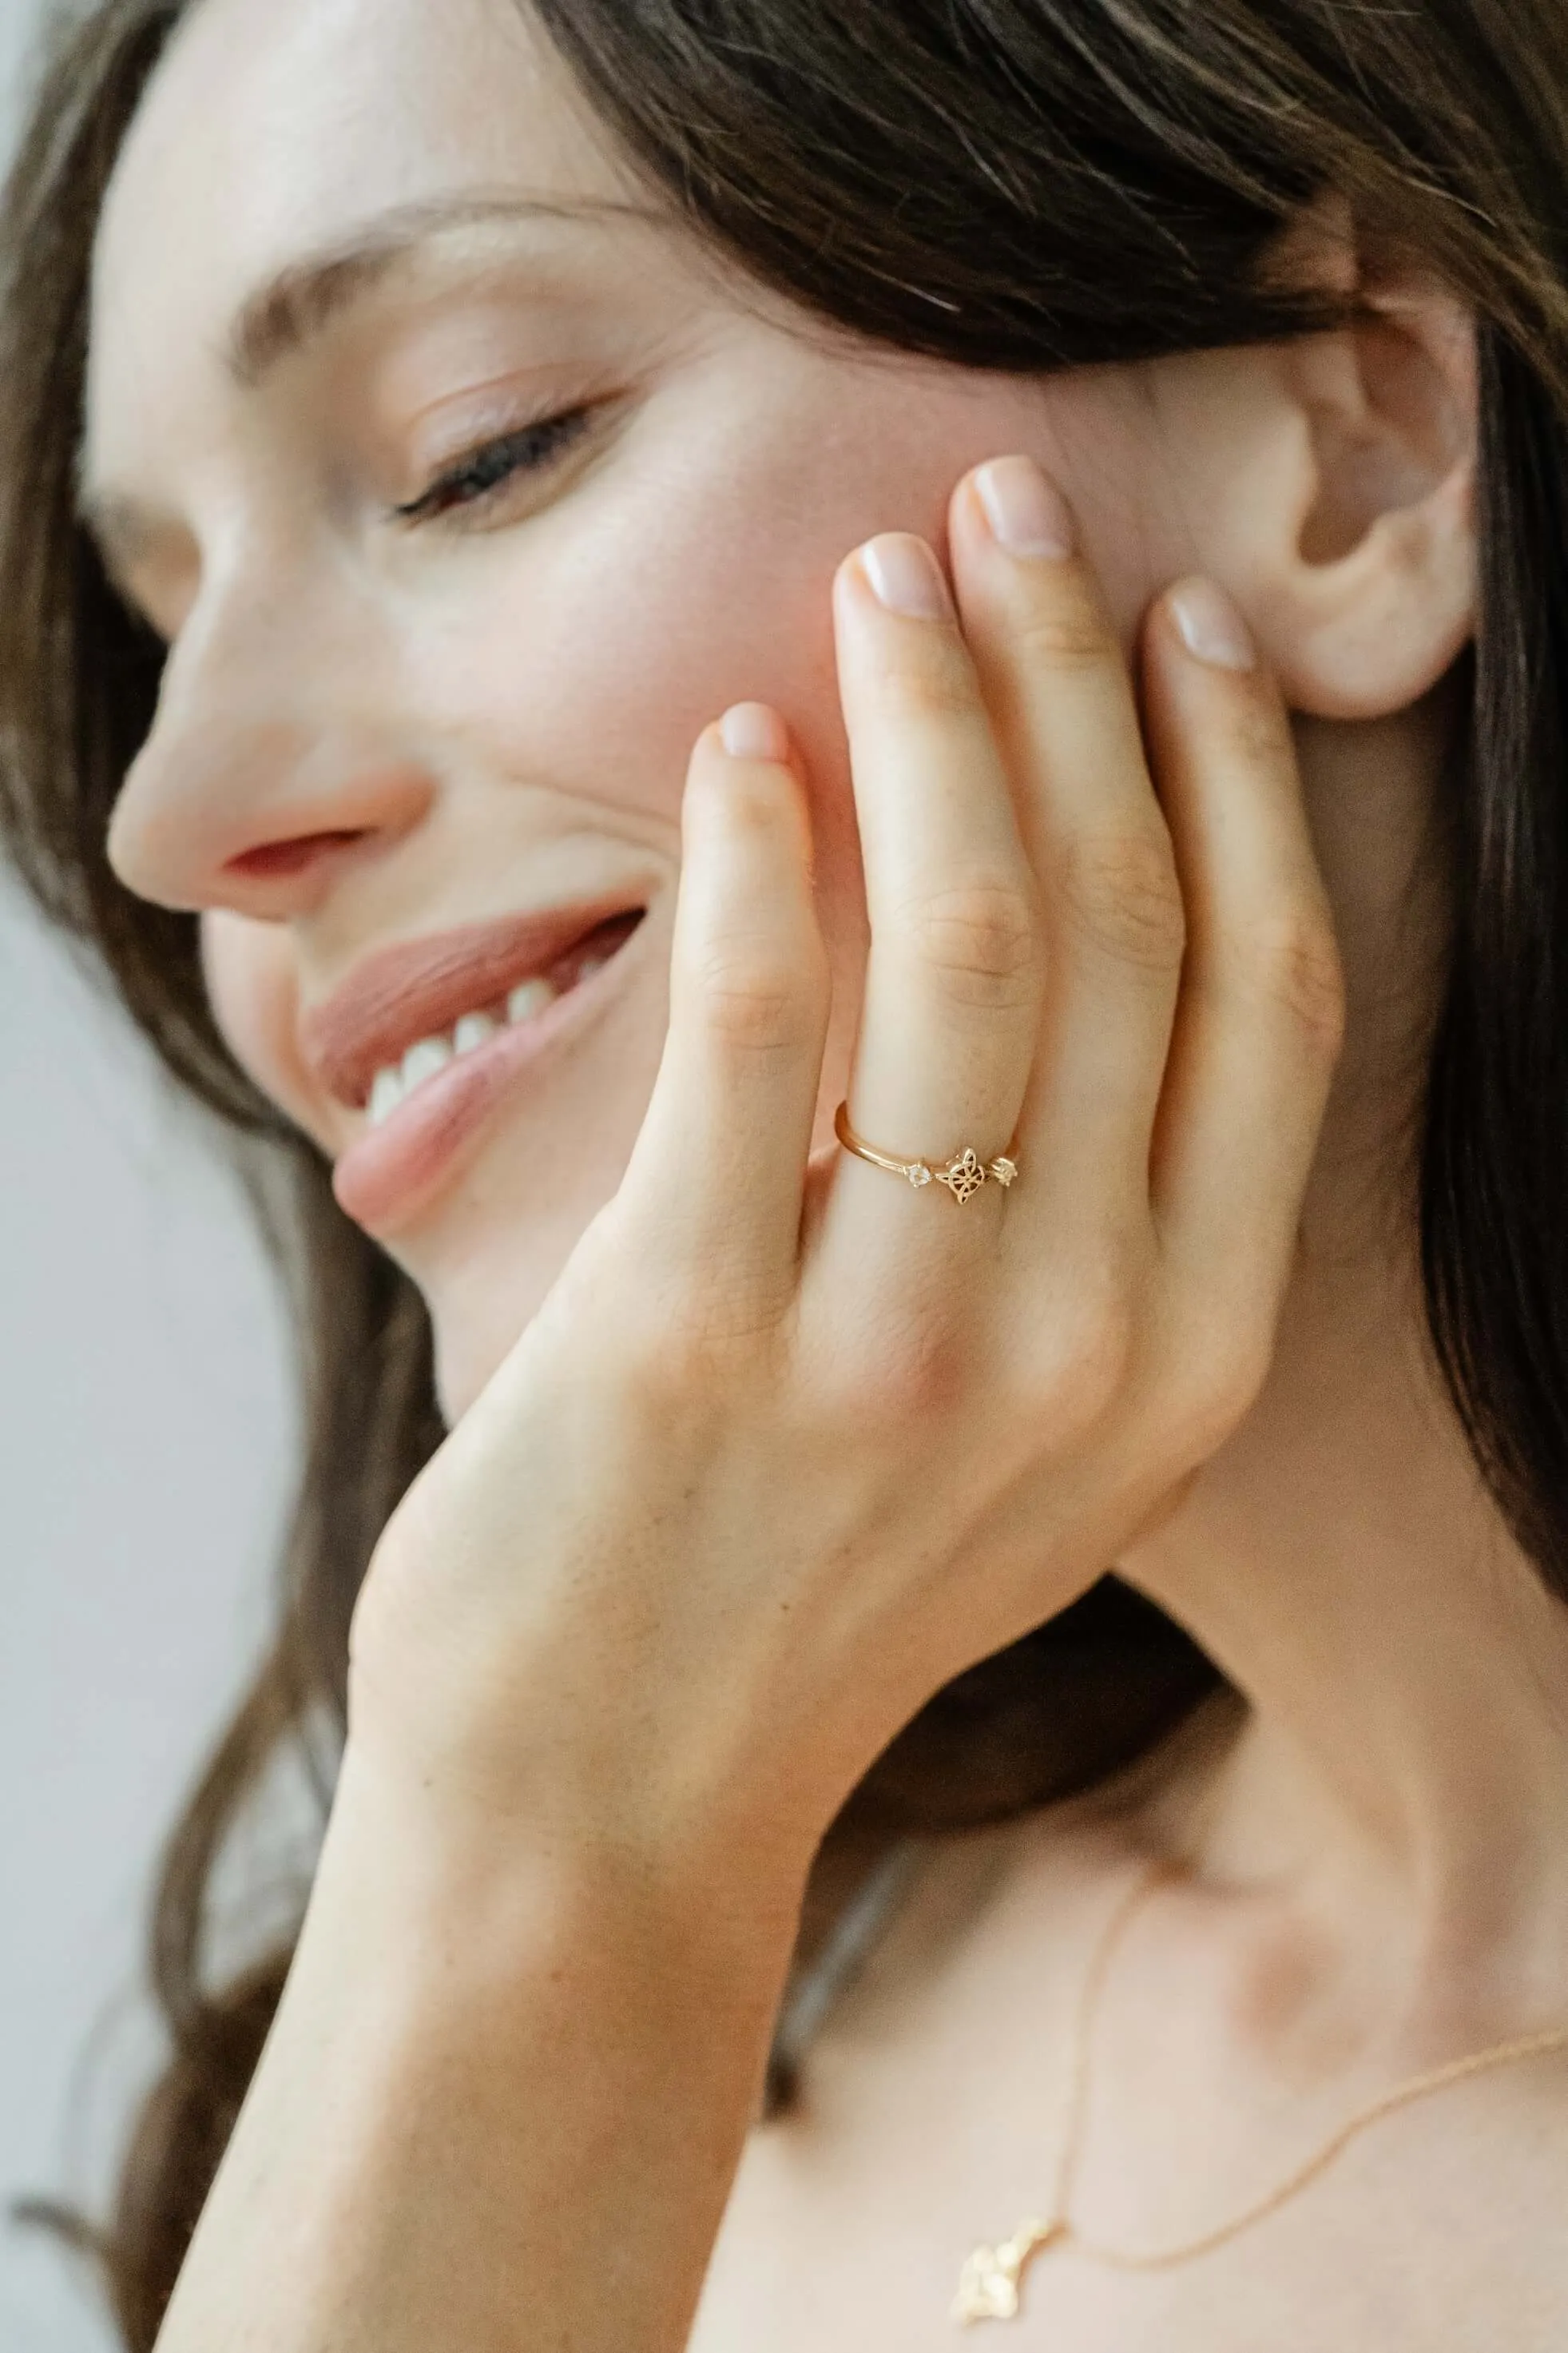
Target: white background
x=144, y=1460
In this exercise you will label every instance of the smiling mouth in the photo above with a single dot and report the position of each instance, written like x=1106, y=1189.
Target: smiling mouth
x=430, y=1071
x=428, y=1055
x=392, y=1023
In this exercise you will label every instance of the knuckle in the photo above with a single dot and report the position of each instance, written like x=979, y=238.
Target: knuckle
x=751, y=1000
x=937, y=682
x=718, y=1329
x=1069, y=633
x=1093, y=1368
x=1297, y=961
x=681, y=1354
x=981, y=941
x=1088, y=1345
x=1123, y=891
x=908, y=1369
x=1260, y=736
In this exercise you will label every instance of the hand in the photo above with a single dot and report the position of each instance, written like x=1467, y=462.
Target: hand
x=791, y=1443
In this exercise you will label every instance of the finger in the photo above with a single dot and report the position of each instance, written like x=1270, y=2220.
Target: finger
x=954, y=976
x=1260, y=1023
x=1056, y=680
x=717, y=1177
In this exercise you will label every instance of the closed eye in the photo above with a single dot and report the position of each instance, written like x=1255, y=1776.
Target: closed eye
x=478, y=477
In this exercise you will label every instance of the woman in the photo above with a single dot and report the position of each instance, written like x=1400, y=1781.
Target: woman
x=1089, y=480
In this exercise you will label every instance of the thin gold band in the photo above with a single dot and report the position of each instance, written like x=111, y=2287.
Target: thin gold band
x=964, y=1175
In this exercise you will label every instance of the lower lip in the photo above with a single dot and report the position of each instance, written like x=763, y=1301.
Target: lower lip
x=391, y=1172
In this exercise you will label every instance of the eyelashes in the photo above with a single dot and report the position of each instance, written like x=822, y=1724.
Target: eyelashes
x=471, y=484
x=477, y=479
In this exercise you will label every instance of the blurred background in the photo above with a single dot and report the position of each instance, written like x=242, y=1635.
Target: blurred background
x=145, y=1457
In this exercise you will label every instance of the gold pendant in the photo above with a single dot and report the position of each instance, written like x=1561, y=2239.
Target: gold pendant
x=988, y=2285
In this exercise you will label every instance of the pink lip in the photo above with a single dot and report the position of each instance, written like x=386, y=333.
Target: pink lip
x=390, y=1173
x=416, y=988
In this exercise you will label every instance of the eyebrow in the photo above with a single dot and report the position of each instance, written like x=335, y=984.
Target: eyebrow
x=302, y=299
x=298, y=303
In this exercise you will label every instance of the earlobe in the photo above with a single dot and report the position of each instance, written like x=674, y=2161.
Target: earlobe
x=1375, y=600
x=1371, y=632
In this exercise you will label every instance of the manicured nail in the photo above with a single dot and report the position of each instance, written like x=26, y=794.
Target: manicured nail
x=1211, y=625
x=751, y=731
x=906, y=577
x=1026, y=512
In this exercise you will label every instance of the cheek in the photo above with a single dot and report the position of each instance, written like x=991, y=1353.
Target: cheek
x=595, y=643
x=250, y=973
x=695, y=569
x=595, y=646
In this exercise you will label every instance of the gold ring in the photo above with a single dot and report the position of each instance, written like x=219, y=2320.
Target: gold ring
x=964, y=1175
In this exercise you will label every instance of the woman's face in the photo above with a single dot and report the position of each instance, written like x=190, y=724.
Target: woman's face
x=435, y=671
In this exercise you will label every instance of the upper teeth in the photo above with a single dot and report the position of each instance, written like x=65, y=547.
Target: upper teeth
x=428, y=1055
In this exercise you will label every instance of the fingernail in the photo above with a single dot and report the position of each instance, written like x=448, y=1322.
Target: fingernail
x=1026, y=512
x=751, y=731
x=1211, y=625
x=906, y=577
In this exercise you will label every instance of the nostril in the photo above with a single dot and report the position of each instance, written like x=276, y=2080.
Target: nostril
x=274, y=859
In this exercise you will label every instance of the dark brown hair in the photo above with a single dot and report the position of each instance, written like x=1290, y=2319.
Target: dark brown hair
x=1017, y=185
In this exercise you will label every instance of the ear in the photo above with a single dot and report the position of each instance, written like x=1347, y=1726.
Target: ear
x=1349, y=535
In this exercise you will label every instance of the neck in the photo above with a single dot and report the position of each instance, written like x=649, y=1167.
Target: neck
x=1405, y=1752
x=1406, y=1749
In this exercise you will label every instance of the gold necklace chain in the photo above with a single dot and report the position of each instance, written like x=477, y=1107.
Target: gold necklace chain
x=989, y=2286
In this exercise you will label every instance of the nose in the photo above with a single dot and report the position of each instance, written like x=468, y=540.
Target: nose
x=274, y=760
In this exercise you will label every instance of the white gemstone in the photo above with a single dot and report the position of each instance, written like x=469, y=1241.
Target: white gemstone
x=529, y=1000
x=385, y=1096
x=475, y=1029
x=918, y=1175
x=422, y=1061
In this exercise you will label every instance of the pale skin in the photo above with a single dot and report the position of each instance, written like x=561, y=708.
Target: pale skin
x=753, y=1447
